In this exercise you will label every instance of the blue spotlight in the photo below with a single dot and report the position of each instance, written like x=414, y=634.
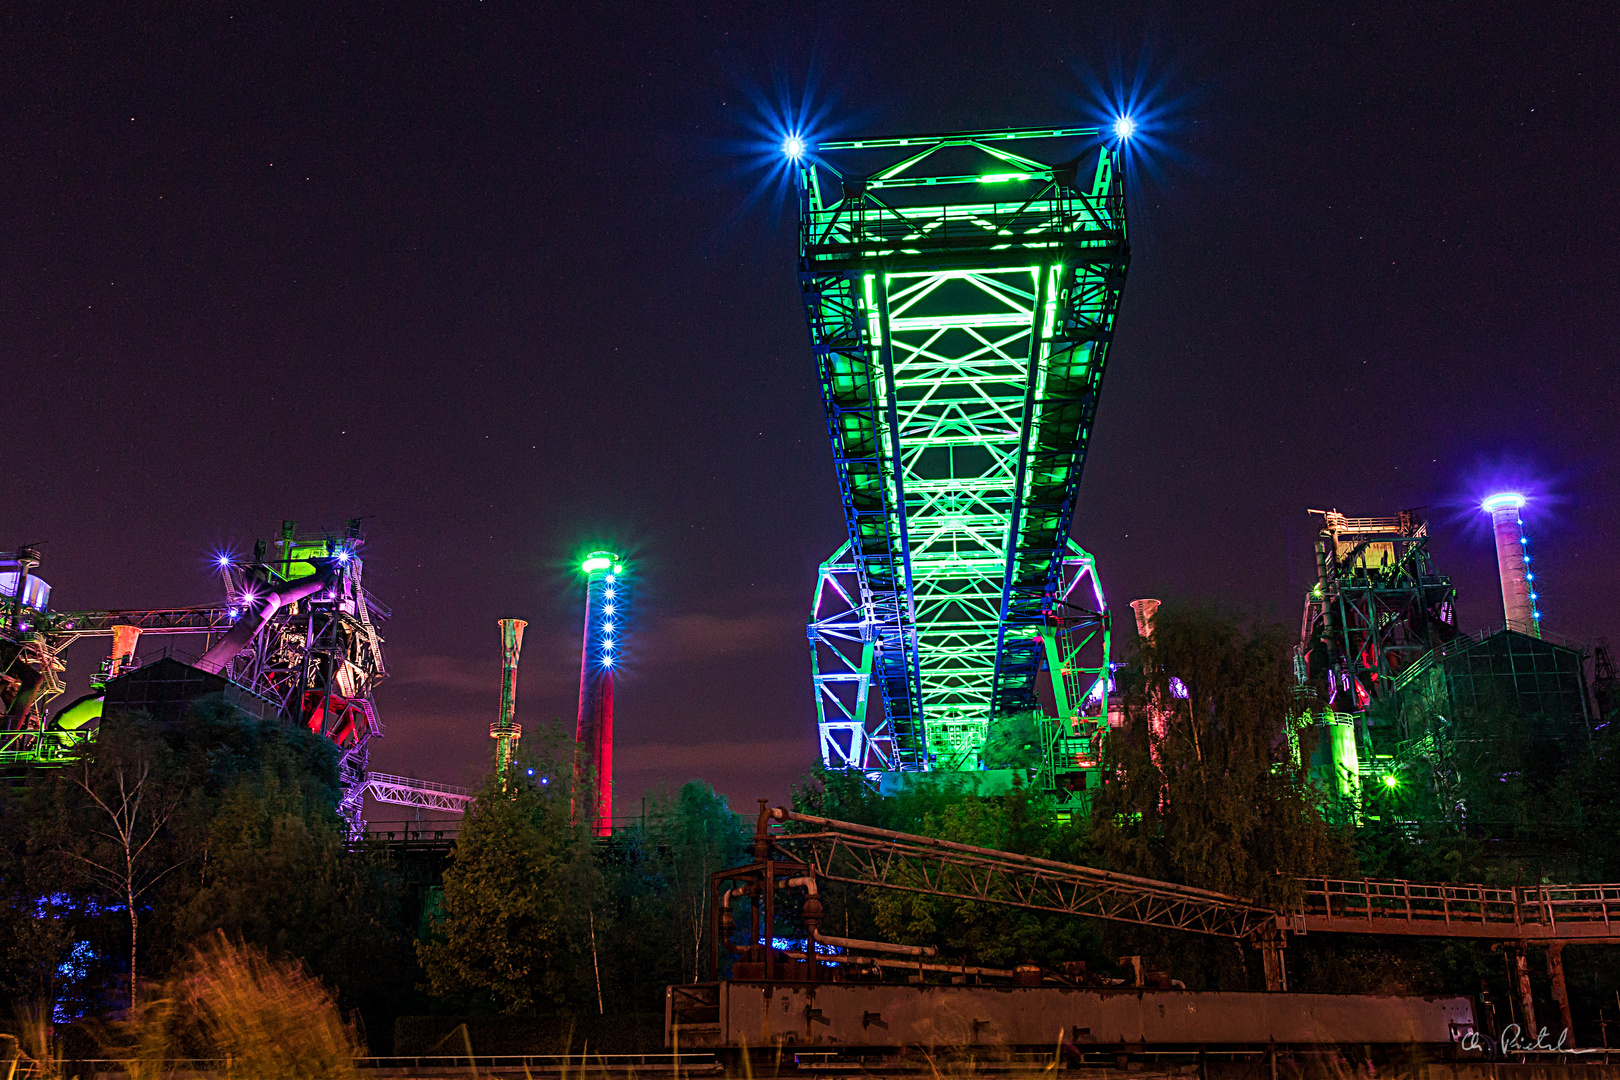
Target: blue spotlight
x=793, y=147
x=1124, y=127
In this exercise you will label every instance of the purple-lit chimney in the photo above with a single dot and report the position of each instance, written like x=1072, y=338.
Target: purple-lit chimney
x=1519, y=593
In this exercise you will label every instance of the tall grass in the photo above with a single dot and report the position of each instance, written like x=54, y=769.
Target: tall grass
x=34, y=1052
x=258, y=1018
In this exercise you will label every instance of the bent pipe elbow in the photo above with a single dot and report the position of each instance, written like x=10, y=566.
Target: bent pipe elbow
x=248, y=627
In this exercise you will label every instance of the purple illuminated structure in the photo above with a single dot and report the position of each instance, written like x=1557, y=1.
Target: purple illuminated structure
x=1519, y=592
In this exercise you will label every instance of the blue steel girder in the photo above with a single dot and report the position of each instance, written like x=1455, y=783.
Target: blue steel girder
x=960, y=324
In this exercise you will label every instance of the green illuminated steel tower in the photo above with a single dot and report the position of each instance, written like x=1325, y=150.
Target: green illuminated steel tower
x=961, y=300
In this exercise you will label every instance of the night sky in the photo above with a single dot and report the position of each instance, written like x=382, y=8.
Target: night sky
x=490, y=275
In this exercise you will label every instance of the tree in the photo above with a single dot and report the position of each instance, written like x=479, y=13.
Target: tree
x=222, y=821
x=273, y=868
x=658, y=889
x=518, y=896
x=37, y=919
x=1199, y=784
x=1023, y=821
x=124, y=850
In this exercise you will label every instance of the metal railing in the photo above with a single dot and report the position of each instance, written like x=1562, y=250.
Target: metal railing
x=413, y=782
x=410, y=832
x=538, y=1063
x=1540, y=912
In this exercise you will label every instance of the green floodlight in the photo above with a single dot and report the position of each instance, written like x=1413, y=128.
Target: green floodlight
x=1390, y=781
x=597, y=561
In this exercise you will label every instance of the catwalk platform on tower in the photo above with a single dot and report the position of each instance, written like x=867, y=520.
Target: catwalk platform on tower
x=961, y=300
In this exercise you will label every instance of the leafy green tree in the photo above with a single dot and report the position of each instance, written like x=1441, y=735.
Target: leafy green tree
x=519, y=897
x=656, y=916
x=272, y=867
x=1023, y=821
x=37, y=913
x=246, y=838
x=990, y=934
x=1015, y=741
x=1200, y=786
x=122, y=843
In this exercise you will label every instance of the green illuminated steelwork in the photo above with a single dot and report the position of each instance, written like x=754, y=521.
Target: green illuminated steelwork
x=960, y=321
x=1078, y=648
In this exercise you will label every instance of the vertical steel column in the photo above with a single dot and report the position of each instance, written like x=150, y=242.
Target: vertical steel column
x=1560, y=993
x=1520, y=972
x=1031, y=378
x=902, y=512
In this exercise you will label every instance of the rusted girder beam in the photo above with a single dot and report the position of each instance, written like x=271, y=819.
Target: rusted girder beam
x=864, y=855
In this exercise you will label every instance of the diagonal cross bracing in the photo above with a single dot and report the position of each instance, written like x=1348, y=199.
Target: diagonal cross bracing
x=960, y=343
x=867, y=856
x=409, y=791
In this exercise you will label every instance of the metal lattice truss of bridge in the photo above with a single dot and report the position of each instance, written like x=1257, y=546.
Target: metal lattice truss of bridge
x=961, y=300
x=409, y=791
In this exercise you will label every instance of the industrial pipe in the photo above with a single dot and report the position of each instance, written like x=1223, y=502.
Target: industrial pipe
x=79, y=713
x=261, y=611
x=30, y=684
x=878, y=946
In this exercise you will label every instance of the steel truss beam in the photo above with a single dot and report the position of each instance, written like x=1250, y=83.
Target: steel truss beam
x=960, y=346
x=408, y=791
x=862, y=855
x=880, y=858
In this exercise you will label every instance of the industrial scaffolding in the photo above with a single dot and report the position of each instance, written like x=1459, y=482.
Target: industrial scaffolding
x=961, y=299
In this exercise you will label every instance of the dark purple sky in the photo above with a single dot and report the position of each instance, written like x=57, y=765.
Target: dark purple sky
x=480, y=272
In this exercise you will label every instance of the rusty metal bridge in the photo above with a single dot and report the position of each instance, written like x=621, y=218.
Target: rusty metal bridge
x=863, y=855
x=824, y=849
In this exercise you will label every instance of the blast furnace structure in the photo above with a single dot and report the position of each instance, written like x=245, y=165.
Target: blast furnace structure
x=294, y=638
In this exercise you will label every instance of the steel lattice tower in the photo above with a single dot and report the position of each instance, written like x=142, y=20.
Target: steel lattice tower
x=961, y=301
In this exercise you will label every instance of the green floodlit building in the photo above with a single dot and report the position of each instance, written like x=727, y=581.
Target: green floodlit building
x=1407, y=709
x=1492, y=706
x=960, y=292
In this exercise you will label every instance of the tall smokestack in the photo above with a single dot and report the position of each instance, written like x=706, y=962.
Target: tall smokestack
x=123, y=648
x=1146, y=612
x=1513, y=563
x=593, y=751
x=506, y=731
